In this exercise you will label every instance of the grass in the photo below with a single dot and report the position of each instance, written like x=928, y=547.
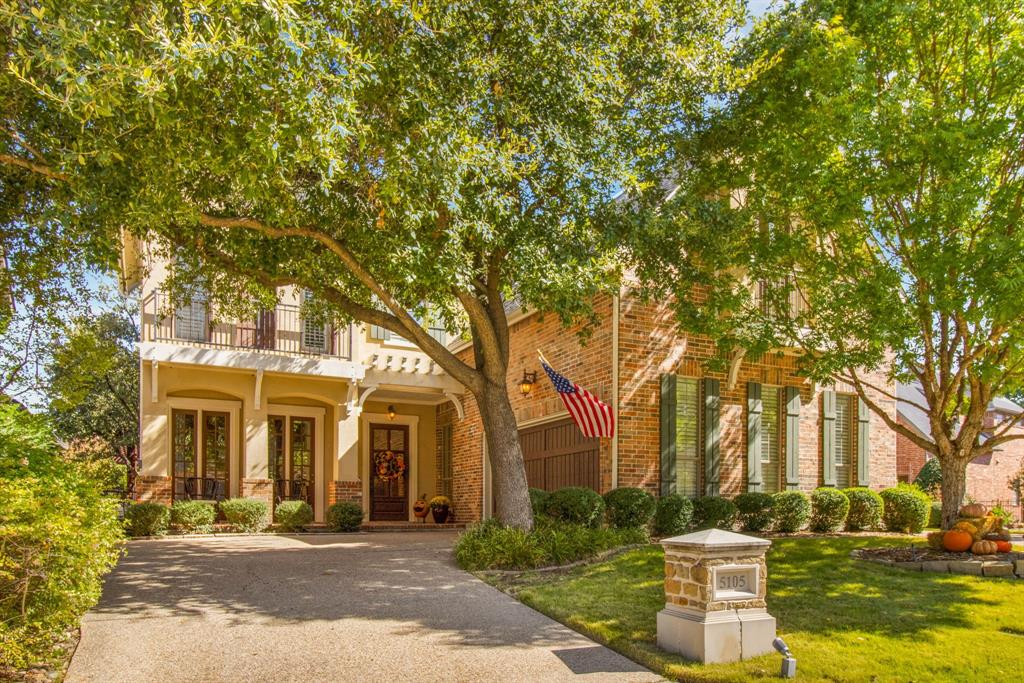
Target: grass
x=845, y=620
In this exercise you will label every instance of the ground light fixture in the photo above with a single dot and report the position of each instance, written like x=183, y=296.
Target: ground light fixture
x=527, y=382
x=788, y=660
x=391, y=412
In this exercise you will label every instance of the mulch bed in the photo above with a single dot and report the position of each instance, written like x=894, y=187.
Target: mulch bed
x=924, y=554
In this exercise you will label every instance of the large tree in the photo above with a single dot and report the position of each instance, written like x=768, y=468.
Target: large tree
x=383, y=155
x=864, y=177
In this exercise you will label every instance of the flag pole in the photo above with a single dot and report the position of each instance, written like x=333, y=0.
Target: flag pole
x=542, y=358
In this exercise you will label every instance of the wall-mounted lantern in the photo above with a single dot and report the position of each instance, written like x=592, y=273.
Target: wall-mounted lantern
x=391, y=412
x=526, y=384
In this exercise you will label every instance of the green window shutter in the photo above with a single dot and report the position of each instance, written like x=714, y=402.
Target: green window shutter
x=712, y=437
x=828, y=437
x=792, y=438
x=863, y=443
x=754, y=409
x=378, y=332
x=668, y=434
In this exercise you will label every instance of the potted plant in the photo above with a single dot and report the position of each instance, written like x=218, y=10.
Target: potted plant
x=440, y=506
x=420, y=508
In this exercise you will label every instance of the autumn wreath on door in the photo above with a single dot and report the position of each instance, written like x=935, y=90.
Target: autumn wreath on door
x=389, y=465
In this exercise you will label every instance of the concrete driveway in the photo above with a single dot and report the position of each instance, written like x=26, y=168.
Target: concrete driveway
x=364, y=607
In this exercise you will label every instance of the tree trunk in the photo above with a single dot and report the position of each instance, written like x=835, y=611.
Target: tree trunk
x=511, y=495
x=954, y=486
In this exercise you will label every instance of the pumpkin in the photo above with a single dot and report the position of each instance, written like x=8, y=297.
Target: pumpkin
x=956, y=541
x=1003, y=546
x=984, y=548
x=973, y=510
x=935, y=539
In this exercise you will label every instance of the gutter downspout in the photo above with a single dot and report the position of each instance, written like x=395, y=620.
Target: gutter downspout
x=615, y=389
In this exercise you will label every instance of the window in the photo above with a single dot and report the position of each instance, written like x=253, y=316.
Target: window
x=314, y=334
x=276, y=446
x=183, y=448
x=771, y=460
x=291, y=453
x=444, y=462
x=190, y=320
x=844, y=440
x=687, y=436
x=200, y=451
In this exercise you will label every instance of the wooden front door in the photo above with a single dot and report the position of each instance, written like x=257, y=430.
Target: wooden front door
x=389, y=499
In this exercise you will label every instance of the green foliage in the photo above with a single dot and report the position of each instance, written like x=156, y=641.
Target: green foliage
x=539, y=501
x=829, y=508
x=935, y=515
x=58, y=536
x=345, y=516
x=193, y=516
x=246, y=514
x=791, y=510
x=755, y=510
x=490, y=545
x=929, y=479
x=672, y=515
x=1003, y=514
x=147, y=519
x=865, y=509
x=629, y=508
x=576, y=505
x=714, y=511
x=293, y=515
x=905, y=508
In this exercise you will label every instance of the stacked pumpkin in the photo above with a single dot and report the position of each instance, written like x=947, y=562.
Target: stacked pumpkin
x=976, y=531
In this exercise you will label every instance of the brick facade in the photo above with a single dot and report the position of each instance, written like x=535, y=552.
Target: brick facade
x=151, y=489
x=263, y=489
x=344, y=491
x=650, y=345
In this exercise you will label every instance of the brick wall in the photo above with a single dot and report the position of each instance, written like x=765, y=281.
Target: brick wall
x=152, y=489
x=350, y=491
x=261, y=489
x=910, y=457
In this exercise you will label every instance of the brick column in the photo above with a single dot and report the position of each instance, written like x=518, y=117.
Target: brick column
x=715, y=586
x=153, y=489
x=263, y=489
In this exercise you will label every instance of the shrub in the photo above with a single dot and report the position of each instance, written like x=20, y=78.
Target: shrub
x=713, y=511
x=539, y=501
x=58, y=536
x=865, y=509
x=345, y=516
x=929, y=478
x=1002, y=513
x=672, y=515
x=246, y=514
x=629, y=508
x=576, y=505
x=755, y=510
x=193, y=516
x=791, y=510
x=905, y=508
x=935, y=514
x=293, y=515
x=829, y=508
x=147, y=519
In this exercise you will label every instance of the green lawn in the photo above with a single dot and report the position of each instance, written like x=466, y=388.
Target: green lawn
x=845, y=620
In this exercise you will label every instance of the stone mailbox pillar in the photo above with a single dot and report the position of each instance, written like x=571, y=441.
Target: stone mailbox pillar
x=715, y=584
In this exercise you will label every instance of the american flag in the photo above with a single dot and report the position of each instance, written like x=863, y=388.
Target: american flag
x=593, y=416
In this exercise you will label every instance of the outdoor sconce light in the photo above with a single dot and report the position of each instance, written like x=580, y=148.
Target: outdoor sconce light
x=391, y=412
x=526, y=384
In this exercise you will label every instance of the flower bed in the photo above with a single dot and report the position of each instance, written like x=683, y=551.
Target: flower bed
x=921, y=559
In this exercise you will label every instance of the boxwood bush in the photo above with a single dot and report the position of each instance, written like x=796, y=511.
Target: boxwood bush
x=345, y=516
x=147, y=519
x=791, y=510
x=576, y=505
x=246, y=514
x=539, y=501
x=629, y=508
x=829, y=508
x=714, y=511
x=193, y=516
x=293, y=515
x=865, y=509
x=673, y=514
x=905, y=508
x=755, y=510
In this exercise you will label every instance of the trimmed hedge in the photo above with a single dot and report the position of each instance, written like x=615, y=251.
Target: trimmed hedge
x=905, y=508
x=246, y=514
x=539, y=501
x=345, y=516
x=293, y=515
x=935, y=514
x=576, y=505
x=193, y=516
x=672, y=515
x=714, y=512
x=791, y=511
x=147, y=519
x=865, y=509
x=829, y=508
x=628, y=508
x=755, y=510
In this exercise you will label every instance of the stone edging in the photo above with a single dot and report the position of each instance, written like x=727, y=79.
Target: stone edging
x=973, y=567
x=561, y=567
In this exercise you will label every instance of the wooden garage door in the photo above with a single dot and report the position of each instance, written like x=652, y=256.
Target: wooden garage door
x=558, y=455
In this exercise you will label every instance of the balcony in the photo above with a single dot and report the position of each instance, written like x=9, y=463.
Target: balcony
x=280, y=331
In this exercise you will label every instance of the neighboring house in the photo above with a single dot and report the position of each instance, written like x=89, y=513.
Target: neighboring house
x=280, y=407
x=988, y=476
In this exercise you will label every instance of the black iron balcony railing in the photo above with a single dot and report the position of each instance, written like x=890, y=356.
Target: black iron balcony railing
x=279, y=330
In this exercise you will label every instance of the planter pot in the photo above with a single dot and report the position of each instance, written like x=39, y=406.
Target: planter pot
x=440, y=515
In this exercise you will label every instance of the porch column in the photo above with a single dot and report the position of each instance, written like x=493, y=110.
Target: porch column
x=255, y=471
x=346, y=484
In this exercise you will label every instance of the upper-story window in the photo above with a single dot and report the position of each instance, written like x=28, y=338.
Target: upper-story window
x=387, y=336
x=191, y=320
x=314, y=334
